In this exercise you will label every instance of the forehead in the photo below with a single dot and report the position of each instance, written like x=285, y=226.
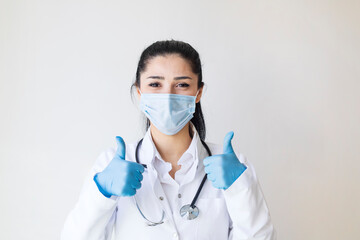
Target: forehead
x=171, y=63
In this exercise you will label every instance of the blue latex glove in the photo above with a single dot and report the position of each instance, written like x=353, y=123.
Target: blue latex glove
x=223, y=169
x=120, y=177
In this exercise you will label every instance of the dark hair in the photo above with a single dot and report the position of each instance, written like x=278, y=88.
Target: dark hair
x=186, y=51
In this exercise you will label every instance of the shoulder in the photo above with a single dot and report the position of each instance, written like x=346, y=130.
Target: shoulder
x=216, y=148
x=104, y=158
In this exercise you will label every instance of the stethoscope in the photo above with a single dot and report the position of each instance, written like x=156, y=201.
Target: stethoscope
x=188, y=211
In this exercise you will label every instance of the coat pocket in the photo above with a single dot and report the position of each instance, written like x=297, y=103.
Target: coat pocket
x=213, y=221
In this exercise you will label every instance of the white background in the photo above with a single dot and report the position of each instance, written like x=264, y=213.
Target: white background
x=283, y=75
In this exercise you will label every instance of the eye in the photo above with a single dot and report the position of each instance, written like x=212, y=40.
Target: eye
x=154, y=84
x=183, y=85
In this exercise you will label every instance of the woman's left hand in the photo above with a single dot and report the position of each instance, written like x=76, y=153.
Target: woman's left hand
x=223, y=169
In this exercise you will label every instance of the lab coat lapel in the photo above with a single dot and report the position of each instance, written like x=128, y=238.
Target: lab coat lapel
x=146, y=156
x=159, y=192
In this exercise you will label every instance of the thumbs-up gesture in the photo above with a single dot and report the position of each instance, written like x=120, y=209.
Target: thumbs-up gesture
x=223, y=169
x=120, y=177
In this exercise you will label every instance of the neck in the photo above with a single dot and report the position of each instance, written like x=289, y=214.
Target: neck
x=171, y=147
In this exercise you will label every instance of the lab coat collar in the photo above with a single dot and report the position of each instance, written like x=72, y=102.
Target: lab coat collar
x=185, y=159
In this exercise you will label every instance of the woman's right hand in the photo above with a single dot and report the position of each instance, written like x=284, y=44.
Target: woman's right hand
x=120, y=177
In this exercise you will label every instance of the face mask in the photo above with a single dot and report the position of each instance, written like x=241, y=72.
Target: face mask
x=168, y=112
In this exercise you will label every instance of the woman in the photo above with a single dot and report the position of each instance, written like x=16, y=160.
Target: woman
x=171, y=184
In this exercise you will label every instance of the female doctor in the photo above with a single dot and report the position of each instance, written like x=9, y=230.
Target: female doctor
x=171, y=184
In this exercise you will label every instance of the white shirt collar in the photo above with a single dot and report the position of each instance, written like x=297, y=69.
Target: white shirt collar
x=151, y=152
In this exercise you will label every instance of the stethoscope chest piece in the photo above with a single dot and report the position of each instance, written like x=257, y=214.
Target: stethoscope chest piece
x=189, y=213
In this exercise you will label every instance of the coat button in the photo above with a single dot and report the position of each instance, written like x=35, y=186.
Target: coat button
x=161, y=198
x=175, y=235
x=179, y=195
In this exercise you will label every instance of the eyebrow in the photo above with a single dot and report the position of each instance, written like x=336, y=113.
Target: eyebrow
x=175, y=78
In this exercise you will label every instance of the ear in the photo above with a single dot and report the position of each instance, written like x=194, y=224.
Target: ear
x=199, y=94
x=138, y=93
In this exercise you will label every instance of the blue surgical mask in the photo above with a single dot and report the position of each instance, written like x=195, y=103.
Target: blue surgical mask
x=168, y=112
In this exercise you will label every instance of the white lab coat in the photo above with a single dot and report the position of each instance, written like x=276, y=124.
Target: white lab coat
x=240, y=212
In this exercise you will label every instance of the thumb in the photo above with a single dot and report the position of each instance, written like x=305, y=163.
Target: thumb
x=120, y=152
x=227, y=143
